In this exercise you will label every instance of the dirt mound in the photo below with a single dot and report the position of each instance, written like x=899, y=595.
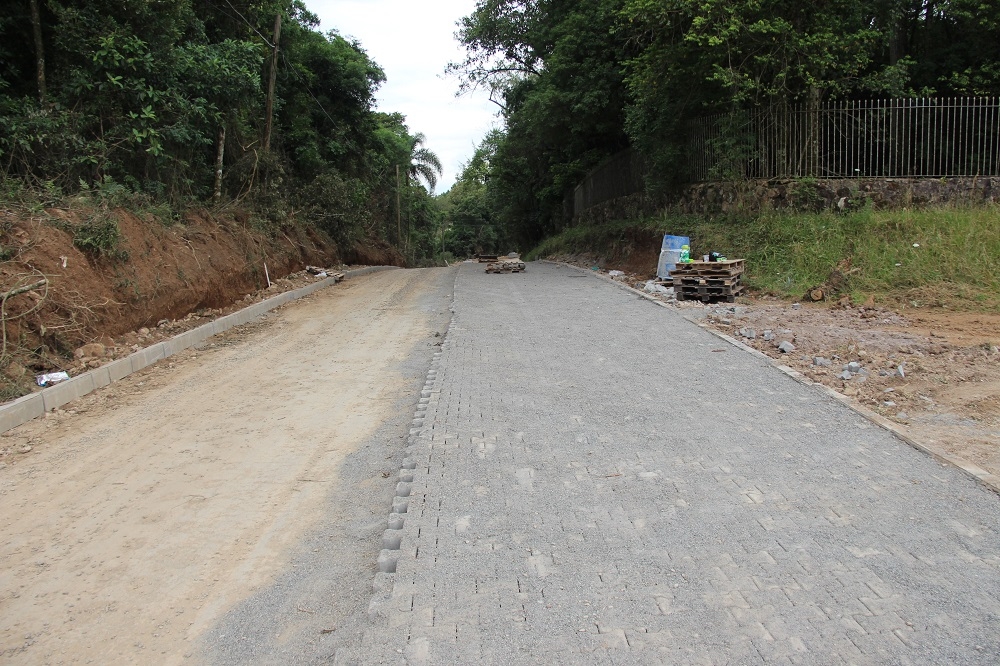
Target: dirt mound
x=146, y=273
x=374, y=253
x=636, y=252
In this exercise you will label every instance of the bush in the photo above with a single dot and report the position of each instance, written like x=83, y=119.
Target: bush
x=100, y=236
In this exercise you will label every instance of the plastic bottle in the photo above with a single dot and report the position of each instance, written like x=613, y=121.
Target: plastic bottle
x=685, y=254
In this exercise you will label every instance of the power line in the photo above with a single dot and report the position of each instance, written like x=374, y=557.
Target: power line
x=305, y=86
x=249, y=24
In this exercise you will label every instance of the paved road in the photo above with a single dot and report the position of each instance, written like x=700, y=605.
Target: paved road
x=599, y=481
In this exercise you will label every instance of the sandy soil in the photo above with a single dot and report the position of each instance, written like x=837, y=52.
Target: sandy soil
x=145, y=511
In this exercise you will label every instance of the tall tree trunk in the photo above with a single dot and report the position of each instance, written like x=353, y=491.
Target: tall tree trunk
x=36, y=28
x=220, y=152
x=272, y=80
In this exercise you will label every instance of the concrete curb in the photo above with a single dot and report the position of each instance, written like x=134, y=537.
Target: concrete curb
x=991, y=481
x=31, y=406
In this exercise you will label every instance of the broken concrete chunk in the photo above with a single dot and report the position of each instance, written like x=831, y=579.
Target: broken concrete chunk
x=786, y=347
x=846, y=375
x=822, y=362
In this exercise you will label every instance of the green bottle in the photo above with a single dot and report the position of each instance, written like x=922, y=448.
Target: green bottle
x=685, y=254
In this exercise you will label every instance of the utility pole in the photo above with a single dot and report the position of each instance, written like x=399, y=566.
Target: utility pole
x=399, y=223
x=269, y=105
x=36, y=27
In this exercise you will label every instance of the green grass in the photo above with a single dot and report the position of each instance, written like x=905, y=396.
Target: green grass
x=957, y=263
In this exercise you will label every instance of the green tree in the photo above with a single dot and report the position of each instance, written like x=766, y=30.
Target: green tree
x=554, y=68
x=470, y=225
x=423, y=165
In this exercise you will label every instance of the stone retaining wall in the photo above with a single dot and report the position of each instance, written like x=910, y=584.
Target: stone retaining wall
x=802, y=194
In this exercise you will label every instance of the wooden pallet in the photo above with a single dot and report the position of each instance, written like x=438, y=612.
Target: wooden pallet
x=487, y=258
x=707, y=293
x=730, y=267
x=711, y=280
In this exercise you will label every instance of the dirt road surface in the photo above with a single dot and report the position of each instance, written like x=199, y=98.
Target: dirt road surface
x=147, y=516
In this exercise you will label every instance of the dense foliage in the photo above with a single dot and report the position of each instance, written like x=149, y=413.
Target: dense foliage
x=143, y=95
x=577, y=82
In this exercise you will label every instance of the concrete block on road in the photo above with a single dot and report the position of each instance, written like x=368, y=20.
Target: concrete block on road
x=101, y=376
x=147, y=357
x=387, y=560
x=187, y=339
x=391, y=539
x=256, y=310
x=240, y=318
x=224, y=323
x=68, y=391
x=396, y=521
x=21, y=411
x=119, y=369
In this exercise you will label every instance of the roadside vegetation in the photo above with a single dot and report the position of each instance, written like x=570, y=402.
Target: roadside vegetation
x=940, y=257
x=575, y=83
x=169, y=106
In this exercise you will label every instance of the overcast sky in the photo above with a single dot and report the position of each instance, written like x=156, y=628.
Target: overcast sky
x=413, y=42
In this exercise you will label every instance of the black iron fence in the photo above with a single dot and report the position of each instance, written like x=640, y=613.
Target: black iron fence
x=621, y=175
x=893, y=138
x=925, y=137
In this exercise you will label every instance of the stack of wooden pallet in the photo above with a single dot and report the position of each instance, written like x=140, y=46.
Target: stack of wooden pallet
x=708, y=280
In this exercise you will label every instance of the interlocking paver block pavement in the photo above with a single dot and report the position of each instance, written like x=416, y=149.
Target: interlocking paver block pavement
x=599, y=481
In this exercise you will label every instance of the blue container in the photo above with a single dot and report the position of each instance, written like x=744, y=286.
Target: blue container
x=670, y=254
x=675, y=242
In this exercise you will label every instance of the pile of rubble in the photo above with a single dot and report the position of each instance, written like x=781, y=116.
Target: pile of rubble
x=510, y=264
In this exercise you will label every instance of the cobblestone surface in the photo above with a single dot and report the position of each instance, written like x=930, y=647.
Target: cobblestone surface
x=596, y=480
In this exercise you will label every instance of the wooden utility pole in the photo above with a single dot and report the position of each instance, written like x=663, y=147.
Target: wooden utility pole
x=269, y=105
x=36, y=27
x=399, y=217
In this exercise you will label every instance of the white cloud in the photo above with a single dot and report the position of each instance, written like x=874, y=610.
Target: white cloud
x=414, y=42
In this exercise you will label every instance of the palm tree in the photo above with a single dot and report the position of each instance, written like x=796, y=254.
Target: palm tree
x=424, y=164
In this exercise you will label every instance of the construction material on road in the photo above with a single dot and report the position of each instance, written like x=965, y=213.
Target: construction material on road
x=708, y=281
x=506, y=265
x=486, y=258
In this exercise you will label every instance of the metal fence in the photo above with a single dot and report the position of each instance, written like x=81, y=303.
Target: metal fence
x=893, y=138
x=621, y=175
